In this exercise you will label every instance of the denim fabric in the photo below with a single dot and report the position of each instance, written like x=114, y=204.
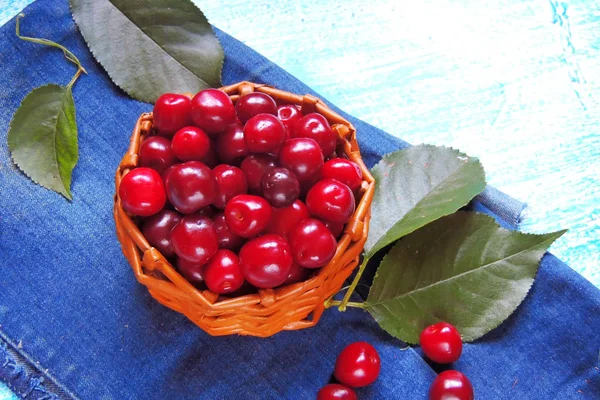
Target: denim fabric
x=75, y=323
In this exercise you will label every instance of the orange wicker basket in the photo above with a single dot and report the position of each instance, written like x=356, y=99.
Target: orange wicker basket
x=296, y=306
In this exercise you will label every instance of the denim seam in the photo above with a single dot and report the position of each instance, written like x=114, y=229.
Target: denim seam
x=20, y=373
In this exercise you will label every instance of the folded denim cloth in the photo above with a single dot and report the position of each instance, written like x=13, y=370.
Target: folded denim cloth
x=75, y=323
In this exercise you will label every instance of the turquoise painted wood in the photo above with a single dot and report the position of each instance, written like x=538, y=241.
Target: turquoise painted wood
x=515, y=83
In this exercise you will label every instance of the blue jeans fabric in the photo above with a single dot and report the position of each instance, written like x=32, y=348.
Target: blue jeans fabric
x=75, y=323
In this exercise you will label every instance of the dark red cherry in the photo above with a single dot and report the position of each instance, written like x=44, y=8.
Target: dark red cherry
x=171, y=113
x=212, y=110
x=194, y=238
x=231, y=145
x=312, y=244
x=190, y=186
x=280, y=187
x=297, y=274
x=191, y=271
x=222, y=274
x=302, y=156
x=315, y=126
x=253, y=104
x=227, y=239
x=157, y=231
x=155, y=152
x=283, y=220
x=288, y=114
x=264, y=133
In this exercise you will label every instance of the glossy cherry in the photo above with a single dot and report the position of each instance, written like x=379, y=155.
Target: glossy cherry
x=451, y=385
x=335, y=391
x=312, y=244
x=283, y=220
x=302, y=156
x=211, y=159
x=222, y=274
x=357, y=365
x=266, y=261
x=441, y=343
x=142, y=192
x=335, y=228
x=280, y=187
x=190, y=186
x=297, y=274
x=227, y=239
x=157, y=231
x=315, y=126
x=331, y=200
x=247, y=215
x=155, y=152
x=231, y=145
x=194, y=238
x=212, y=110
x=253, y=104
x=231, y=181
x=190, y=144
x=345, y=171
x=171, y=113
x=264, y=133
x=191, y=271
x=288, y=114
x=254, y=167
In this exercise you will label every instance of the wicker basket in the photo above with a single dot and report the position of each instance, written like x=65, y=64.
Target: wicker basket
x=296, y=306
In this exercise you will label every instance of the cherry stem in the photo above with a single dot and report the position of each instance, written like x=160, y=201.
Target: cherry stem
x=68, y=55
x=346, y=300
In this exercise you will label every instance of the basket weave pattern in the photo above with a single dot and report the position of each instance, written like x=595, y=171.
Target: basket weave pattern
x=296, y=306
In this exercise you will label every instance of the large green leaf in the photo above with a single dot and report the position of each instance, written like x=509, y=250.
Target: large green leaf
x=151, y=47
x=418, y=185
x=42, y=137
x=463, y=269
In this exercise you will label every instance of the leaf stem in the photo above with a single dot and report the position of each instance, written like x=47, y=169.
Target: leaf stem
x=333, y=303
x=68, y=55
x=346, y=300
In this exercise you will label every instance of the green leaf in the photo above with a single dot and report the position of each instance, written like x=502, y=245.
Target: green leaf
x=463, y=269
x=42, y=137
x=418, y=185
x=151, y=47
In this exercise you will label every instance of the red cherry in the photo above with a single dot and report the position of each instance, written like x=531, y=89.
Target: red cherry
x=211, y=159
x=247, y=215
x=334, y=391
x=191, y=271
x=297, y=274
x=357, y=365
x=190, y=144
x=194, y=238
x=231, y=181
x=345, y=171
x=280, y=187
x=451, y=385
x=227, y=239
x=441, y=343
x=312, y=244
x=266, y=261
x=331, y=200
x=253, y=104
x=157, y=231
x=222, y=274
x=288, y=114
x=190, y=186
x=283, y=220
x=335, y=228
x=171, y=113
x=264, y=133
x=155, y=152
x=142, y=192
x=231, y=145
x=315, y=126
x=254, y=167
x=207, y=211
x=302, y=156
x=212, y=110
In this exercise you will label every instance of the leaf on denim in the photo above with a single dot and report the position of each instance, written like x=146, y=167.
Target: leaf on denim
x=416, y=186
x=463, y=269
x=150, y=48
x=42, y=137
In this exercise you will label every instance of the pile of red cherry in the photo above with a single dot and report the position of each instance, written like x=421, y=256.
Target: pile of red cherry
x=252, y=192
x=359, y=364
